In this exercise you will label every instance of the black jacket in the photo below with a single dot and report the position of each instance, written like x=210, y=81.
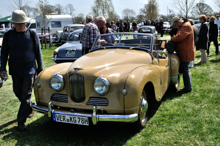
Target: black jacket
x=203, y=37
x=213, y=31
x=22, y=53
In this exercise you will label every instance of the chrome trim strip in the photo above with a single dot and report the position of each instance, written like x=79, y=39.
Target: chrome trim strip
x=94, y=116
x=70, y=59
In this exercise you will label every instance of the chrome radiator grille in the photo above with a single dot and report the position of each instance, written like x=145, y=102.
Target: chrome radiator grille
x=77, y=88
x=59, y=98
x=98, y=101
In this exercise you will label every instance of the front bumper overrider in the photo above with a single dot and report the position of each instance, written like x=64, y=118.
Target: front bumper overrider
x=94, y=116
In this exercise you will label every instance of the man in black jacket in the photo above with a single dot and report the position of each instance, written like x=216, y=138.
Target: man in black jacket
x=23, y=49
x=213, y=35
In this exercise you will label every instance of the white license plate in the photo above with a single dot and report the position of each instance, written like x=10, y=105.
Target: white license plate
x=70, y=53
x=71, y=119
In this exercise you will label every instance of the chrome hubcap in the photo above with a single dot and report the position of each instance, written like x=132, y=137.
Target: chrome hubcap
x=143, y=109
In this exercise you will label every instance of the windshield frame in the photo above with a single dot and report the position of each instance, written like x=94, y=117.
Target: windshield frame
x=123, y=47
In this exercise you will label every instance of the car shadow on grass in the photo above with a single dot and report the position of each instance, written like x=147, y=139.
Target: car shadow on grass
x=169, y=95
x=45, y=132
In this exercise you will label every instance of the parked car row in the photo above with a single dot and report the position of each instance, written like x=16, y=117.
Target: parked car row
x=71, y=50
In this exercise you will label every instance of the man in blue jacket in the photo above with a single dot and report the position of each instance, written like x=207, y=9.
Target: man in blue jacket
x=21, y=49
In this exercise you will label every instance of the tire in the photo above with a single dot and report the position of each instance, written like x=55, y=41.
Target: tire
x=143, y=115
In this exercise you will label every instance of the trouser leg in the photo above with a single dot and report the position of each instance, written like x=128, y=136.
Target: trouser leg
x=216, y=46
x=161, y=31
x=203, y=56
x=83, y=51
x=22, y=87
x=184, y=69
x=208, y=47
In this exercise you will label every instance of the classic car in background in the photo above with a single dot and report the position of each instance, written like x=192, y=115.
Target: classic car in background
x=118, y=81
x=166, y=27
x=147, y=29
x=71, y=50
x=68, y=29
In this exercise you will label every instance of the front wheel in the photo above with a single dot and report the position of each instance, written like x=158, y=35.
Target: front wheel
x=143, y=112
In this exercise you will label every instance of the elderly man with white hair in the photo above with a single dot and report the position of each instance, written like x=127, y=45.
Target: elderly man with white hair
x=90, y=31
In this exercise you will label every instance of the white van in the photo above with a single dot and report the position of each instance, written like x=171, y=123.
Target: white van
x=31, y=24
x=54, y=22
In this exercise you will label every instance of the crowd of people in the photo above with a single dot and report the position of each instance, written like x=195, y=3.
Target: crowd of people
x=127, y=26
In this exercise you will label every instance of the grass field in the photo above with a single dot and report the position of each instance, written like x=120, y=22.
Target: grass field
x=181, y=119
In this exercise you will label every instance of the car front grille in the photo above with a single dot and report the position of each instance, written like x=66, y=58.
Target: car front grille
x=59, y=98
x=77, y=88
x=98, y=101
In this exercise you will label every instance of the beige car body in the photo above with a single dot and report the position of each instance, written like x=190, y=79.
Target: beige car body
x=126, y=69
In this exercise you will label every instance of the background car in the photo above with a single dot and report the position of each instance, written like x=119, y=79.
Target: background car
x=120, y=80
x=68, y=29
x=71, y=50
x=166, y=27
x=147, y=29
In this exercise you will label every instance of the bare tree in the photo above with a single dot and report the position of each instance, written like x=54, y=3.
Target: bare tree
x=150, y=9
x=217, y=2
x=128, y=14
x=69, y=9
x=17, y=4
x=28, y=10
x=58, y=9
x=44, y=8
x=184, y=6
x=79, y=18
x=103, y=7
x=201, y=8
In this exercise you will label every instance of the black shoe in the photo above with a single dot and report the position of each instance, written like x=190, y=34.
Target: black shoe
x=21, y=127
x=184, y=90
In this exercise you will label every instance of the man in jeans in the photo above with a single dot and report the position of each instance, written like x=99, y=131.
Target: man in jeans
x=23, y=49
x=184, y=40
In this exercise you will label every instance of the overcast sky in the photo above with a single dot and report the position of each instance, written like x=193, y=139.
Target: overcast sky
x=84, y=6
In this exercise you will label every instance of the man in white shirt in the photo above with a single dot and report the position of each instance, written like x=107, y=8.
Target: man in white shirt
x=217, y=21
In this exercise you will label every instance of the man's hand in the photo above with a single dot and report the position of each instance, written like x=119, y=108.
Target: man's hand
x=103, y=42
x=3, y=73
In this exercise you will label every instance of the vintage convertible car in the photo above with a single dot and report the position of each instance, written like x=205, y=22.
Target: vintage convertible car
x=71, y=50
x=118, y=81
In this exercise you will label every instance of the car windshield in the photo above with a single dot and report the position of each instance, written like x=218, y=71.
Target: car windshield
x=74, y=37
x=144, y=30
x=75, y=28
x=123, y=40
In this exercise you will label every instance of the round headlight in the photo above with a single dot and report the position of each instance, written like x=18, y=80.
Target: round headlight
x=57, y=82
x=101, y=85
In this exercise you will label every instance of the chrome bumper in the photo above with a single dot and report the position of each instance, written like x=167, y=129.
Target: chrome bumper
x=94, y=116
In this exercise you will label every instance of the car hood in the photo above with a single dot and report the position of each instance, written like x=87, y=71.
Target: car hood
x=111, y=61
x=71, y=45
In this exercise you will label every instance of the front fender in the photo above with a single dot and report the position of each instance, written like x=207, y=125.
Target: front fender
x=135, y=84
x=44, y=79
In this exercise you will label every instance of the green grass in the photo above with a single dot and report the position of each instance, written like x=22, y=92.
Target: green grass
x=181, y=119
